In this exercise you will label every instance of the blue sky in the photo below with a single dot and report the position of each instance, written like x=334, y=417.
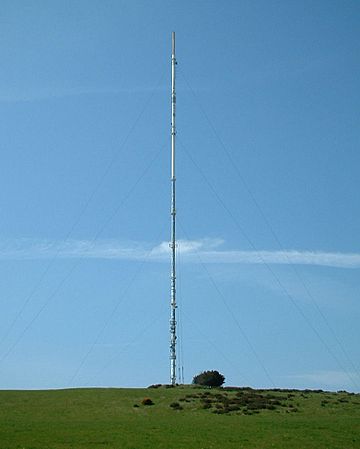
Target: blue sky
x=267, y=183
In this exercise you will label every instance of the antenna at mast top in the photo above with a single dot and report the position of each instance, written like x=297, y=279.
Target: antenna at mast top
x=173, y=102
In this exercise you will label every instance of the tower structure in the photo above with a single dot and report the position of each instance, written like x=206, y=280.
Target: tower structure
x=173, y=306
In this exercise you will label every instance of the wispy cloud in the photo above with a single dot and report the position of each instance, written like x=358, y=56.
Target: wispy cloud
x=194, y=251
x=44, y=249
x=209, y=251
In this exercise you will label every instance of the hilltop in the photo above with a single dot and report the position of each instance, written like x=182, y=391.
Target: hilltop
x=181, y=417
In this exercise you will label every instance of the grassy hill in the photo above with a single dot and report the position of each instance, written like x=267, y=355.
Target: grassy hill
x=181, y=417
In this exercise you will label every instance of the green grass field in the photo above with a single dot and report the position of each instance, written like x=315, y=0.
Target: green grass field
x=181, y=417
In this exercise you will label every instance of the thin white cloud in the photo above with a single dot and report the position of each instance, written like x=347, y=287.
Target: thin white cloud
x=189, y=247
x=340, y=260
x=194, y=251
x=207, y=251
x=44, y=249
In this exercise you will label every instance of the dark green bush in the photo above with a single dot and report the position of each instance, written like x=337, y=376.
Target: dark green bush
x=209, y=378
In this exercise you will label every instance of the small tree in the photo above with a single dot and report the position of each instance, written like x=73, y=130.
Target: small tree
x=209, y=379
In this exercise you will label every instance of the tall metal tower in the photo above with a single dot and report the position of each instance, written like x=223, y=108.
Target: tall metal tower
x=173, y=305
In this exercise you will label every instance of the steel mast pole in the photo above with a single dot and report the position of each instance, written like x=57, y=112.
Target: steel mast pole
x=173, y=305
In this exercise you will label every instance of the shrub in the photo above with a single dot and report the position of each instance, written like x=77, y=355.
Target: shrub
x=209, y=379
x=206, y=405
x=147, y=401
x=176, y=406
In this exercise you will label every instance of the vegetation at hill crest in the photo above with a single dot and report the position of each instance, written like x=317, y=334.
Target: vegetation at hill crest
x=179, y=418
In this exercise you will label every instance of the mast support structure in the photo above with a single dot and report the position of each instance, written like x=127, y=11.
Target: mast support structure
x=173, y=305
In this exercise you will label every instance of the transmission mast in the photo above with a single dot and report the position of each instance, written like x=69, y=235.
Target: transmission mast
x=173, y=305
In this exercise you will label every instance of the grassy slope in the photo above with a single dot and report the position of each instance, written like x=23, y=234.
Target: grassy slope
x=107, y=418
